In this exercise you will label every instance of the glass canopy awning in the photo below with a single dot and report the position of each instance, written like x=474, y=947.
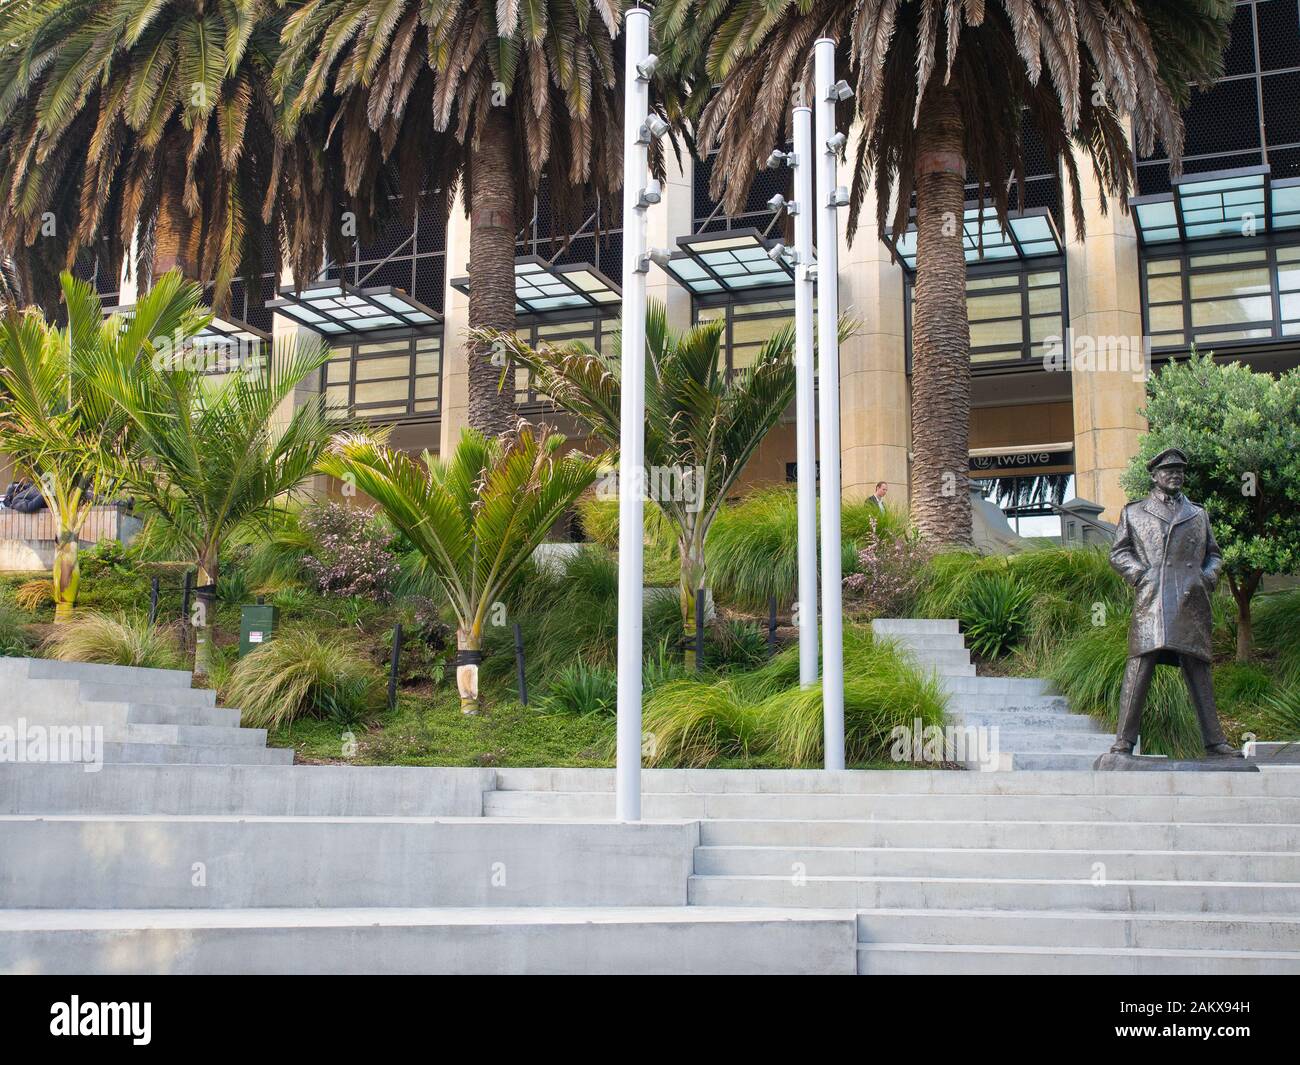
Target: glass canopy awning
x=1030, y=234
x=1226, y=203
x=336, y=308
x=734, y=260
x=543, y=288
x=222, y=331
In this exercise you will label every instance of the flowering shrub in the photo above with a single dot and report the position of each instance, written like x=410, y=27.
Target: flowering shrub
x=891, y=567
x=354, y=554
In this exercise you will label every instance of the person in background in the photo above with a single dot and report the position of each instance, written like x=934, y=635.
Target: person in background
x=878, y=496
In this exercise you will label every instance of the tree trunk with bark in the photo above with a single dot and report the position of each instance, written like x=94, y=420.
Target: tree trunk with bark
x=693, y=587
x=67, y=576
x=469, y=654
x=940, y=329
x=1242, y=593
x=492, y=228
x=176, y=236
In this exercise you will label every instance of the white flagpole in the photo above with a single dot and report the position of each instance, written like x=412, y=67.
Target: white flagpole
x=631, y=465
x=828, y=384
x=805, y=394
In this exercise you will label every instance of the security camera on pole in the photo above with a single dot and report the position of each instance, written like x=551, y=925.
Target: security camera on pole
x=830, y=142
x=801, y=210
x=640, y=128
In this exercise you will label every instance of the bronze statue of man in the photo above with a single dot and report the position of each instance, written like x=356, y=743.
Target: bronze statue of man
x=1164, y=548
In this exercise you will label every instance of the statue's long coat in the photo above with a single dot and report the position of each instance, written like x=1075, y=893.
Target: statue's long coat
x=1173, y=567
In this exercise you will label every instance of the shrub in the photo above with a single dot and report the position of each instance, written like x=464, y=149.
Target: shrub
x=233, y=589
x=34, y=594
x=14, y=642
x=114, y=639
x=581, y=689
x=1276, y=622
x=274, y=560
x=599, y=520
x=105, y=555
x=695, y=722
x=1089, y=669
x=300, y=673
x=753, y=547
x=1279, y=718
x=353, y=554
x=735, y=644
x=993, y=614
x=889, y=569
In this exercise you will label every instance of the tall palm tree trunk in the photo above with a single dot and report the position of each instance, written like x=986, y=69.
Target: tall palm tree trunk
x=492, y=196
x=67, y=575
x=176, y=237
x=693, y=587
x=940, y=330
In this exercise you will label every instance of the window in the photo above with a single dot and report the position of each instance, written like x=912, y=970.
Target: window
x=1218, y=297
x=748, y=326
x=596, y=333
x=1251, y=117
x=386, y=379
x=1012, y=316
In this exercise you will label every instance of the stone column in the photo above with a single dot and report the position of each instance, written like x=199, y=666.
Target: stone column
x=1105, y=316
x=455, y=325
x=874, y=392
x=673, y=217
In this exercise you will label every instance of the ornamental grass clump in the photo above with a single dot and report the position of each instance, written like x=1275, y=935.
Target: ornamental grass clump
x=114, y=639
x=302, y=674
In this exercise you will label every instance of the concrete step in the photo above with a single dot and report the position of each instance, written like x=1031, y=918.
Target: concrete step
x=915, y=626
x=887, y=781
x=1021, y=687
x=101, y=692
x=1003, y=863
x=160, y=714
x=196, y=735
x=996, y=807
x=220, y=862
x=1042, y=740
x=1015, y=835
x=135, y=676
x=922, y=642
x=903, y=959
x=209, y=753
x=996, y=893
x=977, y=702
x=1080, y=928
x=1058, y=760
x=955, y=663
x=1049, y=718
x=669, y=940
x=268, y=790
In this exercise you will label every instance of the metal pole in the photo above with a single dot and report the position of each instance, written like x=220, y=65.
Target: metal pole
x=631, y=463
x=394, y=664
x=519, y=664
x=805, y=395
x=153, y=601
x=828, y=386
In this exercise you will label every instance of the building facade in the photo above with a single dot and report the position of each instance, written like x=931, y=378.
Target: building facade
x=1065, y=323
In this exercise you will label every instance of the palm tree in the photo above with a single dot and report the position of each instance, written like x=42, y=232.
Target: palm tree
x=61, y=431
x=475, y=518
x=148, y=123
x=490, y=94
x=211, y=454
x=703, y=425
x=944, y=94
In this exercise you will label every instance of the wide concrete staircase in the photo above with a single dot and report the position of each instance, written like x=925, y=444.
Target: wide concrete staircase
x=127, y=714
x=963, y=872
x=1033, y=727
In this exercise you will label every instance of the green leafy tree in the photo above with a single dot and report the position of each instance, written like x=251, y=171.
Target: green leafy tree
x=211, y=452
x=475, y=518
x=703, y=424
x=63, y=433
x=1240, y=431
x=946, y=93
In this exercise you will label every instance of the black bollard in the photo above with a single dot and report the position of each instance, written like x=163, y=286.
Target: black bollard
x=185, y=596
x=519, y=665
x=393, y=666
x=153, y=602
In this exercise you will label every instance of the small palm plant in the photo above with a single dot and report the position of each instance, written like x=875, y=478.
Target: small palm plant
x=702, y=424
x=62, y=432
x=475, y=518
x=210, y=453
